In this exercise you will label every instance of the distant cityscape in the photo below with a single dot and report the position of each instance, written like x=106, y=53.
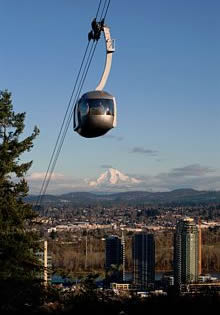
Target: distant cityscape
x=128, y=221
x=186, y=277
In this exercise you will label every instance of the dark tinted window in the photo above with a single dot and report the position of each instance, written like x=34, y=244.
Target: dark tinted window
x=101, y=107
x=83, y=108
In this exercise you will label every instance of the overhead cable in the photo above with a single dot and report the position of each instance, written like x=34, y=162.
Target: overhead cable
x=66, y=121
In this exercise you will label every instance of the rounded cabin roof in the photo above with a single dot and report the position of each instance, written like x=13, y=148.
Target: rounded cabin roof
x=97, y=94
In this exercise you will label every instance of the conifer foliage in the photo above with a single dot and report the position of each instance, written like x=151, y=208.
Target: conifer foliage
x=17, y=240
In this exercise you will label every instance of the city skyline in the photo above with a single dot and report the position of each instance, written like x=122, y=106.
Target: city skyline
x=165, y=77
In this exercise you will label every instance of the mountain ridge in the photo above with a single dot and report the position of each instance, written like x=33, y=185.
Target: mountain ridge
x=89, y=198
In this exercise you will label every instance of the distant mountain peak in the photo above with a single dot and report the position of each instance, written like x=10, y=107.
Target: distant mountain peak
x=113, y=177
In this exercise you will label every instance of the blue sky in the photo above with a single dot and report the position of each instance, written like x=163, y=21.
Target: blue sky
x=165, y=76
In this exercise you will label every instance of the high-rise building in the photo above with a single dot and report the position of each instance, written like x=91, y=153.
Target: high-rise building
x=186, y=252
x=46, y=263
x=143, y=252
x=200, y=247
x=123, y=256
x=115, y=257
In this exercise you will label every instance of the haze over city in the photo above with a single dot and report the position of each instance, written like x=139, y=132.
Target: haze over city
x=165, y=77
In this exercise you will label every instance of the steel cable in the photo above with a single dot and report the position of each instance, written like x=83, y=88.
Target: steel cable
x=53, y=160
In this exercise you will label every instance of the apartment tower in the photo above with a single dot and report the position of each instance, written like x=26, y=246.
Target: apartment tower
x=143, y=252
x=186, y=252
x=115, y=256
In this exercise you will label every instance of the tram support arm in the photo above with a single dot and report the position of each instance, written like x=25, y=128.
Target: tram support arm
x=108, y=61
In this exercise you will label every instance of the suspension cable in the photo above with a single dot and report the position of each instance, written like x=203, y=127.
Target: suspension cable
x=106, y=9
x=89, y=60
x=100, y=1
x=68, y=121
x=61, y=128
x=53, y=160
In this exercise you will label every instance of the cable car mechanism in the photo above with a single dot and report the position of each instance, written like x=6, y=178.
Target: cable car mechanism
x=95, y=112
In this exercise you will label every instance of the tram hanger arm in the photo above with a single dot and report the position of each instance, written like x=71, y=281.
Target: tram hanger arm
x=108, y=61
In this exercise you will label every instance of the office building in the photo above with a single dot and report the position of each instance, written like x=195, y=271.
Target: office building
x=115, y=257
x=186, y=252
x=143, y=252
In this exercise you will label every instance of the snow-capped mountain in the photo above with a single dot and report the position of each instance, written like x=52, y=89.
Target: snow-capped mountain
x=113, y=177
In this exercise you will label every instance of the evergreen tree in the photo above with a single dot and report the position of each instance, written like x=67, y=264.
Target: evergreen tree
x=18, y=241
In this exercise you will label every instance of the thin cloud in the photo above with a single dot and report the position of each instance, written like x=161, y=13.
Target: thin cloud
x=192, y=170
x=142, y=150
x=38, y=176
x=59, y=183
x=193, y=176
x=118, y=138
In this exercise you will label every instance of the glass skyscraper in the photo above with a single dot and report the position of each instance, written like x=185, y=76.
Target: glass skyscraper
x=143, y=252
x=115, y=257
x=186, y=252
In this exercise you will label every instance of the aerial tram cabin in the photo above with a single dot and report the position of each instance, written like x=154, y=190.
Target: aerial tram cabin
x=95, y=112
